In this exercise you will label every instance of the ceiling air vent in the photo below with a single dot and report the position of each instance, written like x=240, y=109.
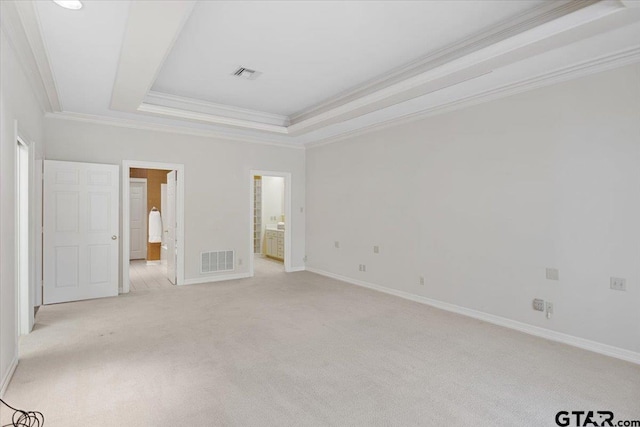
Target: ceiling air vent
x=246, y=73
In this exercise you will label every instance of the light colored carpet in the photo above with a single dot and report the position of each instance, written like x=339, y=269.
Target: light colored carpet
x=299, y=350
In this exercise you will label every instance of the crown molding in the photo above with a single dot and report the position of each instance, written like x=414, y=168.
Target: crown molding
x=157, y=127
x=31, y=24
x=200, y=106
x=448, y=67
x=582, y=69
x=469, y=59
x=21, y=26
x=500, y=32
x=507, y=28
x=209, y=118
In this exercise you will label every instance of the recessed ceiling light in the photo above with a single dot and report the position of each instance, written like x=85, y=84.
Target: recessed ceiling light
x=69, y=4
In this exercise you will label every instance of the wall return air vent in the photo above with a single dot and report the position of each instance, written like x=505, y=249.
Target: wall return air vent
x=213, y=262
x=246, y=73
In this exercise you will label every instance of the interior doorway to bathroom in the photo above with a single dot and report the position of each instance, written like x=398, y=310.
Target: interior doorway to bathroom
x=153, y=226
x=148, y=225
x=270, y=215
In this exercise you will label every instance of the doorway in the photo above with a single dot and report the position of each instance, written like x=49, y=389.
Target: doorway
x=153, y=225
x=149, y=229
x=270, y=236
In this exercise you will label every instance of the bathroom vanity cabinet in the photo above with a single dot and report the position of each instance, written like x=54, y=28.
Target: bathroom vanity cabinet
x=275, y=243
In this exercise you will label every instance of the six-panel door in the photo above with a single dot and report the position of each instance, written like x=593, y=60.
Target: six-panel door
x=81, y=231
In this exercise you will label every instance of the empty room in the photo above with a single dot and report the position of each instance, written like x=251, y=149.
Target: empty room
x=319, y=213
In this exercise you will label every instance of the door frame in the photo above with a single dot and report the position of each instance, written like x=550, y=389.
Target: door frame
x=146, y=219
x=126, y=226
x=287, y=215
x=25, y=287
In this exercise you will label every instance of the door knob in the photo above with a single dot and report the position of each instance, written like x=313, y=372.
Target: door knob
x=114, y=237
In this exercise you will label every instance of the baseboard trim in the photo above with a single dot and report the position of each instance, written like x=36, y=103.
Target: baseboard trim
x=295, y=269
x=220, y=278
x=7, y=378
x=596, y=347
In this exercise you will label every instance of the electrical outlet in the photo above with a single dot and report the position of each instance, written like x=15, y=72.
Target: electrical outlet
x=618, y=284
x=362, y=267
x=422, y=280
x=336, y=244
x=553, y=274
x=538, y=304
x=376, y=249
x=304, y=259
x=549, y=309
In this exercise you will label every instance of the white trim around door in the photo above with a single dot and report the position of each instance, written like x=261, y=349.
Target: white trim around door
x=126, y=167
x=25, y=227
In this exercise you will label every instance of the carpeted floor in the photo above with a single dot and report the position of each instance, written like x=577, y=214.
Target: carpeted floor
x=299, y=350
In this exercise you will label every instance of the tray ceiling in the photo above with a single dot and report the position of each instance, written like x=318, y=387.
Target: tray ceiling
x=324, y=69
x=308, y=52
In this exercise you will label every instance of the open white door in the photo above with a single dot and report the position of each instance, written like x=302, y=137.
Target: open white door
x=138, y=218
x=170, y=226
x=81, y=223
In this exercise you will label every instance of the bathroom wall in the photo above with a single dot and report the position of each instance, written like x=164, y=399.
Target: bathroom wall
x=155, y=179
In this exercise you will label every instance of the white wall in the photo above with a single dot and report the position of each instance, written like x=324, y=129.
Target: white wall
x=217, y=180
x=17, y=102
x=272, y=202
x=480, y=201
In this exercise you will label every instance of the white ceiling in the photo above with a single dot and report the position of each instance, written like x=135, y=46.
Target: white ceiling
x=314, y=53
x=83, y=48
x=310, y=51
